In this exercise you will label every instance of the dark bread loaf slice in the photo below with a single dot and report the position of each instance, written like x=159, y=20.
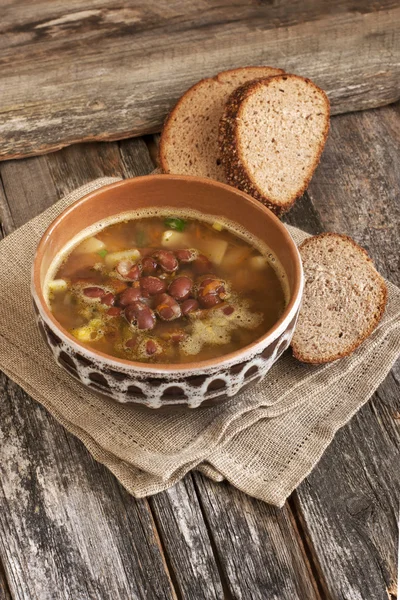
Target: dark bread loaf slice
x=189, y=140
x=271, y=137
x=343, y=301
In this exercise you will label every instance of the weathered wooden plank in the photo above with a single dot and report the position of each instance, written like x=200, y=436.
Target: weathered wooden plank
x=330, y=562
x=181, y=526
x=28, y=190
x=69, y=73
x=257, y=546
x=82, y=163
x=135, y=158
x=67, y=528
x=348, y=506
x=4, y=591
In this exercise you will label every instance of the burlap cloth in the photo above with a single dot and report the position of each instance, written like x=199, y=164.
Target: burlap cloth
x=264, y=441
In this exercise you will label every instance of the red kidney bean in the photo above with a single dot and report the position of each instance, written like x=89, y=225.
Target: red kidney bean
x=108, y=299
x=209, y=300
x=149, y=265
x=212, y=285
x=180, y=288
x=167, y=308
x=94, y=292
x=202, y=265
x=211, y=292
x=129, y=295
x=167, y=260
x=228, y=310
x=152, y=285
x=189, y=306
x=140, y=315
x=151, y=347
x=114, y=311
x=135, y=272
x=186, y=256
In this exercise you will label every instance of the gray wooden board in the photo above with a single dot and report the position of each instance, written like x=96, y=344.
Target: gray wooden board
x=4, y=591
x=274, y=568
x=67, y=529
x=160, y=547
x=69, y=72
x=349, y=505
x=181, y=525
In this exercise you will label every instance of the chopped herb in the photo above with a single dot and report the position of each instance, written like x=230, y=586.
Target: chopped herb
x=175, y=223
x=102, y=253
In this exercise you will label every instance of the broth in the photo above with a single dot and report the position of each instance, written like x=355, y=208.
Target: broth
x=164, y=289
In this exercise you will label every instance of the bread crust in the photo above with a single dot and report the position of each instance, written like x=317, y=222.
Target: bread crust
x=235, y=170
x=302, y=356
x=162, y=158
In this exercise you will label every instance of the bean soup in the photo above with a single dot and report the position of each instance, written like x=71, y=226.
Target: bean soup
x=166, y=288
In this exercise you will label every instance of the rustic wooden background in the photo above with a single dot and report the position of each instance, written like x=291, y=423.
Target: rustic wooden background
x=71, y=72
x=68, y=530
x=106, y=70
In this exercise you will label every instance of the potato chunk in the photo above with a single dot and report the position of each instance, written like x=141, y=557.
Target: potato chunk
x=58, y=285
x=174, y=239
x=215, y=250
x=90, y=246
x=113, y=258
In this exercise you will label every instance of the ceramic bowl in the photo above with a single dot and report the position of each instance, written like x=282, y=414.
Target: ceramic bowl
x=191, y=385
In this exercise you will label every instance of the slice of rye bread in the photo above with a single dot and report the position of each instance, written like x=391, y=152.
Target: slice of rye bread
x=271, y=137
x=343, y=301
x=189, y=140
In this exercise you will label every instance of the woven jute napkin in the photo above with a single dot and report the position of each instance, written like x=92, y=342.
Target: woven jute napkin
x=264, y=441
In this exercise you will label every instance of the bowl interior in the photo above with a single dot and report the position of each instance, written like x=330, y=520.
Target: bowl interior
x=179, y=192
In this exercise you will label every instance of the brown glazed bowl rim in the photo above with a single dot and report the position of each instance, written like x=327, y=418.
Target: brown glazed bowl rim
x=164, y=368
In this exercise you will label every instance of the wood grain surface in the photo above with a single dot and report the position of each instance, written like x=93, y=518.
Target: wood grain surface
x=69, y=72
x=4, y=591
x=257, y=545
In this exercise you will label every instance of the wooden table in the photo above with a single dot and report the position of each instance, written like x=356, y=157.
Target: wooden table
x=68, y=530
